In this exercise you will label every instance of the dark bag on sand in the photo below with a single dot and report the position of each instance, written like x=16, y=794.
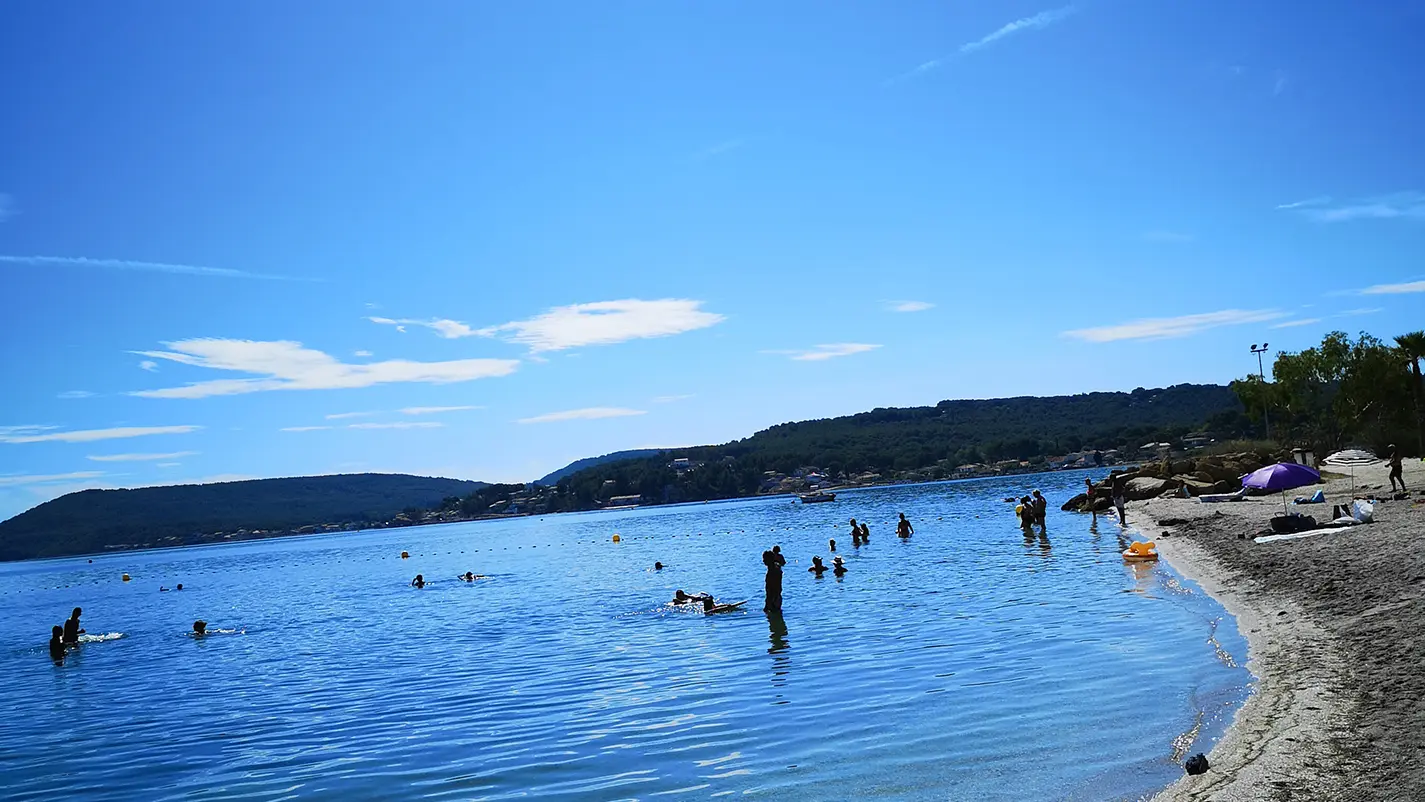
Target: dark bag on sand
x=1197, y=764
x=1287, y=524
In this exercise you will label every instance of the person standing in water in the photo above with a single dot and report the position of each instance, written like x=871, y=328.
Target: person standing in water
x=832, y=544
x=817, y=566
x=1041, y=508
x=418, y=582
x=1396, y=469
x=774, y=561
x=903, y=527
x=1120, y=496
x=838, y=567
x=56, y=644
x=72, y=630
x=855, y=533
x=865, y=533
x=1088, y=490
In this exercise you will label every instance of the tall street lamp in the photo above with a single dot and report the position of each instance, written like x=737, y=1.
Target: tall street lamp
x=1261, y=372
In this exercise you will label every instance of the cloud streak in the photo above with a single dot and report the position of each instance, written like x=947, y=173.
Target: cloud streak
x=35, y=479
x=286, y=365
x=1041, y=20
x=435, y=410
x=605, y=323
x=449, y=329
x=1172, y=327
x=129, y=264
x=588, y=413
x=1290, y=324
x=429, y=424
x=1400, y=205
x=1405, y=288
x=910, y=306
x=71, y=395
x=140, y=457
x=46, y=434
x=720, y=148
x=828, y=351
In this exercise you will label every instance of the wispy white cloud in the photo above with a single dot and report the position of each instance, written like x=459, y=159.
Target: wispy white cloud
x=129, y=264
x=589, y=413
x=1169, y=327
x=435, y=410
x=1294, y=323
x=47, y=434
x=149, y=365
x=827, y=351
x=167, y=464
x=304, y=428
x=605, y=323
x=285, y=365
x=1405, y=288
x=140, y=457
x=17, y=480
x=70, y=395
x=1370, y=311
x=720, y=148
x=362, y=353
x=1399, y=205
x=449, y=329
x=669, y=399
x=909, y=306
x=7, y=207
x=1041, y=20
x=1279, y=84
x=405, y=424
x=345, y=415
x=1167, y=236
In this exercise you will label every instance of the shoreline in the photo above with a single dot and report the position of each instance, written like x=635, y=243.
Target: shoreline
x=1335, y=645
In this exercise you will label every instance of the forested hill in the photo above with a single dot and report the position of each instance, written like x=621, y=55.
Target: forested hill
x=590, y=462
x=916, y=442
x=94, y=520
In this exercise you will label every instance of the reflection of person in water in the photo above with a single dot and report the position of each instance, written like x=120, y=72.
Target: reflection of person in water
x=817, y=567
x=71, y=628
x=56, y=644
x=418, y=582
x=838, y=567
x=774, y=561
x=903, y=527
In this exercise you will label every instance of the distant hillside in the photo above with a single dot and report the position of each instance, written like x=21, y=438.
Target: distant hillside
x=93, y=520
x=914, y=442
x=590, y=462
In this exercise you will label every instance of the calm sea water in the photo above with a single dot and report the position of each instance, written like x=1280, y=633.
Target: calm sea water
x=965, y=663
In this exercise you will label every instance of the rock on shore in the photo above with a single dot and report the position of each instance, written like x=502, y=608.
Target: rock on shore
x=1201, y=475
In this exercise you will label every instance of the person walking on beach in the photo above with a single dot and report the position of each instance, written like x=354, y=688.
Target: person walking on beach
x=1041, y=508
x=1120, y=496
x=1396, y=470
x=903, y=527
x=72, y=631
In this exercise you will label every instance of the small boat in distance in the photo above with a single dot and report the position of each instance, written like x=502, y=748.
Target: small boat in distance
x=816, y=496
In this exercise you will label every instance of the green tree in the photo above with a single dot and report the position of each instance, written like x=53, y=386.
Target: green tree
x=1412, y=346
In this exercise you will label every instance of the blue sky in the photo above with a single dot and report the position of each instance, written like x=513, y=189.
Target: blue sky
x=482, y=240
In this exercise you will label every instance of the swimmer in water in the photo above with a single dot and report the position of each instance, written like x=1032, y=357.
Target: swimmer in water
x=71, y=628
x=710, y=606
x=903, y=527
x=56, y=644
x=679, y=597
x=855, y=533
x=865, y=533
x=418, y=582
x=658, y=566
x=838, y=567
x=832, y=544
x=200, y=628
x=180, y=586
x=817, y=567
x=470, y=576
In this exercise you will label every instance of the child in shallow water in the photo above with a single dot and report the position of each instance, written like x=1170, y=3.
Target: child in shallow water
x=200, y=628
x=56, y=643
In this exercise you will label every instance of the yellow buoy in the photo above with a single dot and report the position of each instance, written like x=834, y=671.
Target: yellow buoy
x=616, y=538
x=126, y=577
x=405, y=555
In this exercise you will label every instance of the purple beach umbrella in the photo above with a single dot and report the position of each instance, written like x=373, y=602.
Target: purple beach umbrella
x=1282, y=476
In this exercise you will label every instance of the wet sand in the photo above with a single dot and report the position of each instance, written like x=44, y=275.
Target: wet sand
x=1335, y=625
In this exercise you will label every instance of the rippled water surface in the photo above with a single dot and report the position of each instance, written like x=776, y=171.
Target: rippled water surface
x=965, y=663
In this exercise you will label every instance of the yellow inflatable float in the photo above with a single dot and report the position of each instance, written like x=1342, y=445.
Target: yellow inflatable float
x=1141, y=553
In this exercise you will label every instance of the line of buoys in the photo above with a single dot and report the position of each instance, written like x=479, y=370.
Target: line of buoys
x=617, y=538
x=126, y=577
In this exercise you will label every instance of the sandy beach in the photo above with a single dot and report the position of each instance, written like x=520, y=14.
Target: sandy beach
x=1335, y=625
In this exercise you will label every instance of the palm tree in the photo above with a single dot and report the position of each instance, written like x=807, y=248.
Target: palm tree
x=1413, y=346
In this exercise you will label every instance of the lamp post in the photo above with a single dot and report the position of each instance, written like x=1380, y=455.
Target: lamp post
x=1261, y=372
